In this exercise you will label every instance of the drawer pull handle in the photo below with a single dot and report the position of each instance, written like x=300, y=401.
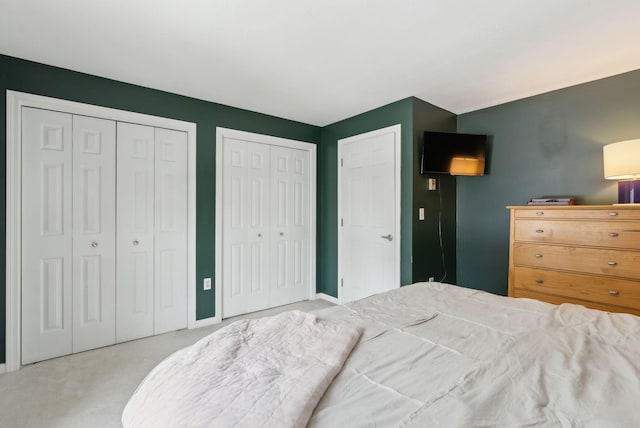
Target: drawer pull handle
x=540, y=213
x=613, y=213
x=612, y=263
x=538, y=256
x=539, y=281
x=539, y=231
x=613, y=234
x=613, y=292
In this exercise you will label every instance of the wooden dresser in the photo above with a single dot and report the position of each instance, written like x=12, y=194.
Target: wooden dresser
x=589, y=255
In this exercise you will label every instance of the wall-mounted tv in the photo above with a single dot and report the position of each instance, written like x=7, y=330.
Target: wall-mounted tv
x=455, y=154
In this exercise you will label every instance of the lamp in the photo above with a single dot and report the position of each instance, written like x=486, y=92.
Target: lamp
x=622, y=162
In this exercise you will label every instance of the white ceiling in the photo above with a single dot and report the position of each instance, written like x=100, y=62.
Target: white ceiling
x=325, y=60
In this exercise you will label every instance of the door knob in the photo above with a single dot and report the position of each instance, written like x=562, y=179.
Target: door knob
x=94, y=244
x=388, y=237
x=136, y=242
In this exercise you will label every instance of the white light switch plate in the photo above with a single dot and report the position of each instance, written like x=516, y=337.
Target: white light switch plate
x=207, y=283
x=432, y=184
x=420, y=213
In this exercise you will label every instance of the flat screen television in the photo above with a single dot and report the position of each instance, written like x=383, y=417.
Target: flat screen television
x=455, y=154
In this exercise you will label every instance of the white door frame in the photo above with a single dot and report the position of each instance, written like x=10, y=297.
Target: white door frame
x=15, y=102
x=221, y=134
x=396, y=130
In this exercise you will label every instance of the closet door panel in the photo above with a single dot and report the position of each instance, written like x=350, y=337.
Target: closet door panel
x=290, y=225
x=135, y=232
x=94, y=214
x=258, y=219
x=46, y=234
x=246, y=220
x=170, y=230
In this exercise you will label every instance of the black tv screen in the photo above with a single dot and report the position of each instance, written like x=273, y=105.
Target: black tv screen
x=455, y=154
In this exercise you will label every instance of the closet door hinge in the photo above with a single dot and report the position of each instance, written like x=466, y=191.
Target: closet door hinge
x=341, y=162
x=341, y=222
x=341, y=282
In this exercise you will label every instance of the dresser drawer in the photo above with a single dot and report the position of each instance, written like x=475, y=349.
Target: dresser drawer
x=623, y=234
x=557, y=300
x=619, y=263
x=607, y=213
x=577, y=286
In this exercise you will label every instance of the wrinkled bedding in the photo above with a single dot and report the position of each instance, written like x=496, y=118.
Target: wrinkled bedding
x=267, y=372
x=437, y=355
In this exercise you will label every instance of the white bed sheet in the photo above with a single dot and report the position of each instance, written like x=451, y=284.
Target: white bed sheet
x=437, y=355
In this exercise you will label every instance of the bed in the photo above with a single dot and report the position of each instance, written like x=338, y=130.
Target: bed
x=434, y=354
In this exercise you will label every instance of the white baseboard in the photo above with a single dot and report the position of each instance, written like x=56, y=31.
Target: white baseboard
x=327, y=298
x=206, y=322
x=3, y=368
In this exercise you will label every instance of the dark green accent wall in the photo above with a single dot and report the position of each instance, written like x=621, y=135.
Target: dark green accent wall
x=25, y=76
x=549, y=144
x=430, y=259
x=399, y=112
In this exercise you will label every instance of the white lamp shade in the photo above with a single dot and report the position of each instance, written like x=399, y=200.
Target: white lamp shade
x=622, y=160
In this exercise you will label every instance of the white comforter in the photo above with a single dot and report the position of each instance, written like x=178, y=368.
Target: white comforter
x=267, y=372
x=437, y=355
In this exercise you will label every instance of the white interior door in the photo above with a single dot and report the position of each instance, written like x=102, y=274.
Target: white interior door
x=46, y=234
x=135, y=234
x=246, y=231
x=289, y=225
x=94, y=228
x=369, y=213
x=170, y=230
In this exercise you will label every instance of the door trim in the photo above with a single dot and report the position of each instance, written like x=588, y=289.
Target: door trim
x=396, y=130
x=15, y=102
x=221, y=134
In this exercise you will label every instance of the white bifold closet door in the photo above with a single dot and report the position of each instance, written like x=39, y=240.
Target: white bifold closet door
x=265, y=226
x=152, y=231
x=135, y=231
x=246, y=268
x=94, y=238
x=100, y=264
x=68, y=223
x=170, y=255
x=289, y=225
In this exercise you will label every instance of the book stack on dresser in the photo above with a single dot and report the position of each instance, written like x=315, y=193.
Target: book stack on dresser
x=588, y=255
